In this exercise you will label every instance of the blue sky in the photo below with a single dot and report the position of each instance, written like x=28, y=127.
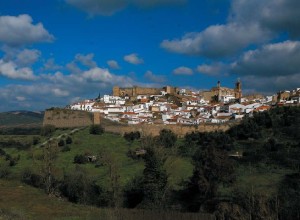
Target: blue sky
x=54, y=52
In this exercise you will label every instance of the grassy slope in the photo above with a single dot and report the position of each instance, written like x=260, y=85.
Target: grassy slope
x=178, y=168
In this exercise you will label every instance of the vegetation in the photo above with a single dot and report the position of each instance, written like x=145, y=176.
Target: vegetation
x=96, y=129
x=248, y=172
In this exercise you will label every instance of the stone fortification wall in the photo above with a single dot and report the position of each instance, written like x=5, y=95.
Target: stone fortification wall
x=64, y=118
x=134, y=91
x=177, y=129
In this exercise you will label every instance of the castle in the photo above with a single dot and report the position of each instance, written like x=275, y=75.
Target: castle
x=219, y=93
x=135, y=90
x=216, y=94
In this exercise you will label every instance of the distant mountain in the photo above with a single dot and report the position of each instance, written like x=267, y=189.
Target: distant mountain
x=21, y=119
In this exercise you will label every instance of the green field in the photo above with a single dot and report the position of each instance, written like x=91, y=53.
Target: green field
x=178, y=168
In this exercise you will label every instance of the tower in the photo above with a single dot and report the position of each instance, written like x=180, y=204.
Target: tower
x=116, y=91
x=219, y=91
x=238, y=89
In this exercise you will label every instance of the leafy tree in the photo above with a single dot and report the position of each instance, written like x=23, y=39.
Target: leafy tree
x=50, y=153
x=108, y=159
x=167, y=138
x=154, y=180
x=96, y=129
x=289, y=196
x=212, y=168
x=78, y=187
x=133, y=192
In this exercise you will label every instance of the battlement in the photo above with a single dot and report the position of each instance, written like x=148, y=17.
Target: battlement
x=135, y=91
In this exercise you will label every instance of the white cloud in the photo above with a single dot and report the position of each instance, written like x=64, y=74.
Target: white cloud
x=10, y=70
x=51, y=65
x=133, y=59
x=217, y=40
x=183, y=71
x=109, y=7
x=19, y=30
x=86, y=60
x=270, y=84
x=215, y=69
x=278, y=59
x=21, y=98
x=60, y=93
x=113, y=64
x=275, y=15
x=154, y=78
x=27, y=57
x=249, y=23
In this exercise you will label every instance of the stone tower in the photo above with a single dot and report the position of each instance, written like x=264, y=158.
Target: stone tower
x=238, y=89
x=219, y=91
x=116, y=91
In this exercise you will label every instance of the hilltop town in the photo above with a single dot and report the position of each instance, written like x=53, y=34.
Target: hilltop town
x=172, y=105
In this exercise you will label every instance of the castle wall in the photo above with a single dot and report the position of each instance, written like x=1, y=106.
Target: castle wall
x=64, y=118
x=147, y=91
x=154, y=130
x=134, y=91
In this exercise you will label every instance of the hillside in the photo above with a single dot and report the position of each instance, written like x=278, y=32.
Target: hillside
x=21, y=119
x=197, y=173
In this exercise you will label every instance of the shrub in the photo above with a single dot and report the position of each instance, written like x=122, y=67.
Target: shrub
x=65, y=149
x=69, y=140
x=167, y=138
x=61, y=143
x=131, y=136
x=4, y=170
x=35, y=140
x=2, y=152
x=31, y=178
x=79, y=187
x=96, y=129
x=80, y=159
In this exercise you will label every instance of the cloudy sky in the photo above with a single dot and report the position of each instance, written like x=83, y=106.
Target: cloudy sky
x=55, y=52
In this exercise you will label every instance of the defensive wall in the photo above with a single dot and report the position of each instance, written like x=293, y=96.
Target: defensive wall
x=180, y=130
x=65, y=118
x=135, y=90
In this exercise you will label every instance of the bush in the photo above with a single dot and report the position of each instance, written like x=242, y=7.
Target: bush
x=80, y=159
x=69, y=140
x=61, y=143
x=167, y=138
x=65, y=149
x=36, y=140
x=4, y=170
x=96, y=129
x=130, y=137
x=78, y=187
x=2, y=152
x=31, y=178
